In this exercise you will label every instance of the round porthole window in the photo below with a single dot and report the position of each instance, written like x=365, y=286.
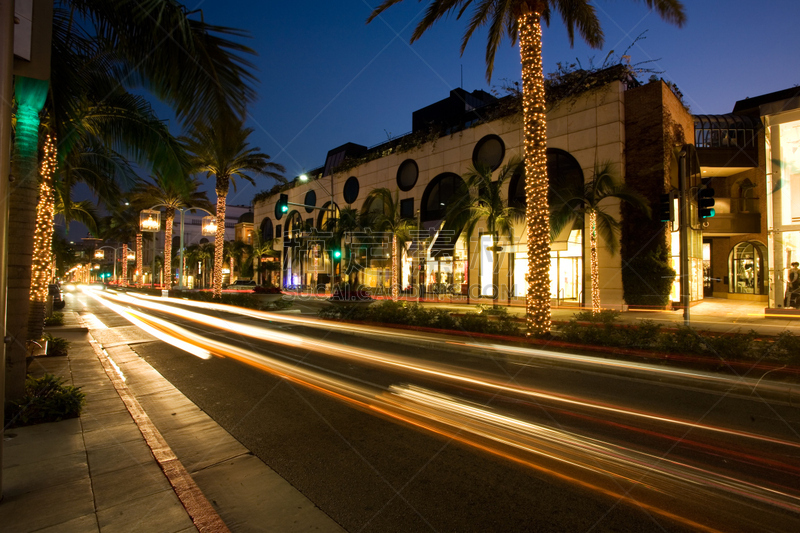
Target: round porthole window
x=407, y=174
x=351, y=190
x=310, y=201
x=489, y=151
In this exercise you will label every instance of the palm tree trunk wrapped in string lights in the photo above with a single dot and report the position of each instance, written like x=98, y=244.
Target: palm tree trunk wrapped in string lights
x=593, y=259
x=41, y=266
x=124, y=264
x=537, y=302
x=219, y=241
x=139, y=266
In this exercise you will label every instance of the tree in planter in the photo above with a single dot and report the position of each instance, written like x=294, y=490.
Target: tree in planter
x=200, y=253
x=484, y=199
x=46, y=399
x=264, y=248
x=522, y=19
x=573, y=202
x=270, y=268
x=387, y=218
x=234, y=251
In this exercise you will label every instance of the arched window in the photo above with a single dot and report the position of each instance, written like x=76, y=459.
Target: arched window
x=439, y=194
x=267, y=230
x=325, y=215
x=293, y=227
x=563, y=170
x=747, y=268
x=747, y=197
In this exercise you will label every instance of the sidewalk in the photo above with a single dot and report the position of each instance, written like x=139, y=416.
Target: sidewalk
x=141, y=457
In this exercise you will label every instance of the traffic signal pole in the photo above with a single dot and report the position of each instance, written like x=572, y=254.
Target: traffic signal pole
x=686, y=274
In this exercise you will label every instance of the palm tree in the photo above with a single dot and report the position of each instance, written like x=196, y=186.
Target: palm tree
x=200, y=253
x=487, y=203
x=172, y=193
x=222, y=151
x=388, y=219
x=195, y=69
x=235, y=251
x=122, y=226
x=348, y=224
x=572, y=202
x=260, y=249
x=522, y=19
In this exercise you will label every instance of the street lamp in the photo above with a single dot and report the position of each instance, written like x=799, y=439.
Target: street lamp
x=150, y=220
x=99, y=254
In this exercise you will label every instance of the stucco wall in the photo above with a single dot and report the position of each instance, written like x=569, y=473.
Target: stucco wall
x=590, y=127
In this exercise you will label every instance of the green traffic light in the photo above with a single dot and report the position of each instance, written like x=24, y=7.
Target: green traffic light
x=284, y=208
x=337, y=254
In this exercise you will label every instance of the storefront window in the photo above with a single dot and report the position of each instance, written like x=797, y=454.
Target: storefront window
x=790, y=163
x=783, y=200
x=566, y=271
x=747, y=268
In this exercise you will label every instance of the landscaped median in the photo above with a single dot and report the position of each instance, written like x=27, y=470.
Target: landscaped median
x=263, y=298
x=730, y=353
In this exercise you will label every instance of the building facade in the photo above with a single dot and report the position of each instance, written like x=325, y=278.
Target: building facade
x=644, y=132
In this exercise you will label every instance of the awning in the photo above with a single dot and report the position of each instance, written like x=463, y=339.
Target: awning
x=427, y=231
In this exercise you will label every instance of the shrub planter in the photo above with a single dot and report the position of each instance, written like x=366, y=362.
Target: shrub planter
x=269, y=298
x=353, y=301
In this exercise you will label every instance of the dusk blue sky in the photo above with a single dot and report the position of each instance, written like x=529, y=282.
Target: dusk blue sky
x=327, y=78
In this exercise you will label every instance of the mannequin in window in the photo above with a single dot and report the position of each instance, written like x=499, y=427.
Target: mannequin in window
x=792, y=298
x=748, y=275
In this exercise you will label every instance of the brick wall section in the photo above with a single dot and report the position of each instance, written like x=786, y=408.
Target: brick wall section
x=655, y=122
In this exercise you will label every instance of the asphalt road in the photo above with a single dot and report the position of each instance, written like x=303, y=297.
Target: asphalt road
x=371, y=471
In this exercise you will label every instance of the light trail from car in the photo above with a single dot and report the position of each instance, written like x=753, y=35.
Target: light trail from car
x=640, y=478
x=437, y=371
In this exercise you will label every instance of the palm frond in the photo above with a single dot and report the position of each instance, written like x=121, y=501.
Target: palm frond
x=196, y=67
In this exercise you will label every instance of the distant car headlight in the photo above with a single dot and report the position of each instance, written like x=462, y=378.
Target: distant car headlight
x=69, y=287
